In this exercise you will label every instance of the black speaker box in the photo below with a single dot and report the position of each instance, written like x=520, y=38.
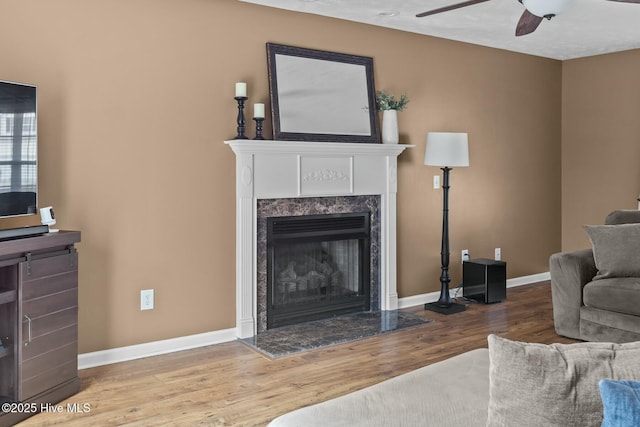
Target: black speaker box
x=484, y=280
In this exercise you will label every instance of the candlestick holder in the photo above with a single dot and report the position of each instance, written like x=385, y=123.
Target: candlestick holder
x=240, y=120
x=259, y=121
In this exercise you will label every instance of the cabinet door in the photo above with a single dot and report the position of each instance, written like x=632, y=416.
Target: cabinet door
x=8, y=333
x=49, y=332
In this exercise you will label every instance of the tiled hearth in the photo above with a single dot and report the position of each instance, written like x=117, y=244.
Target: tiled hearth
x=337, y=330
x=295, y=177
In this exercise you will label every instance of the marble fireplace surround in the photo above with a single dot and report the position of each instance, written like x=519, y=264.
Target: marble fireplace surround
x=302, y=169
x=316, y=206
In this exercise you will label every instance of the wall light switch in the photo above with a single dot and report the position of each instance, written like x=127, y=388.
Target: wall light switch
x=436, y=182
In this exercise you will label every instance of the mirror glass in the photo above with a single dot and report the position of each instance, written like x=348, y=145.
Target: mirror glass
x=321, y=96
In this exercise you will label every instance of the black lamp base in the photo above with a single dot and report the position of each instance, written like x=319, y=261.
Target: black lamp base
x=445, y=308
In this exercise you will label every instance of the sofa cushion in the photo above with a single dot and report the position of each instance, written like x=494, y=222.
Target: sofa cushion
x=621, y=401
x=451, y=393
x=554, y=385
x=609, y=326
x=621, y=294
x=623, y=216
x=616, y=249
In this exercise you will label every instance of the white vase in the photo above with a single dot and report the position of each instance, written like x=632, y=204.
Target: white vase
x=390, y=127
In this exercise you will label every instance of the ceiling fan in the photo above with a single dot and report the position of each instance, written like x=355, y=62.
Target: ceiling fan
x=535, y=11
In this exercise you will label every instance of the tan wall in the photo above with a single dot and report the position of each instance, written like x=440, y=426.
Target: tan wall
x=600, y=141
x=136, y=97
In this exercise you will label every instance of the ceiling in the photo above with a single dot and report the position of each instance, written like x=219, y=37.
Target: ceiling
x=587, y=27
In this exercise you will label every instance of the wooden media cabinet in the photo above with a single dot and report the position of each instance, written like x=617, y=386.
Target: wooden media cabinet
x=38, y=323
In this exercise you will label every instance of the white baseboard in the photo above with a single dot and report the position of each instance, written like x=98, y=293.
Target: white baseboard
x=139, y=351
x=421, y=299
x=528, y=280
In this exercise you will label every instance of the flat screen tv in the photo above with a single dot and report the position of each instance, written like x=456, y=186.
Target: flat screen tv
x=18, y=149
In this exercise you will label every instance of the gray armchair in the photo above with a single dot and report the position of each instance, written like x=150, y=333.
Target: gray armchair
x=592, y=307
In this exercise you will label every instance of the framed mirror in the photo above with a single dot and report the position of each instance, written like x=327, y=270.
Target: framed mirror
x=321, y=96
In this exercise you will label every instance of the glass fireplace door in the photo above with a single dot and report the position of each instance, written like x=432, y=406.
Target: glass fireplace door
x=317, y=267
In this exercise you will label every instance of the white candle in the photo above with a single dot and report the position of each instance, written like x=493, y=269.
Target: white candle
x=241, y=89
x=258, y=111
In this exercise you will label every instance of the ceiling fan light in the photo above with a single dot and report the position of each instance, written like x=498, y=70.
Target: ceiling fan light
x=544, y=8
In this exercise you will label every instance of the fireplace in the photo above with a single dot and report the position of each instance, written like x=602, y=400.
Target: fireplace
x=299, y=209
x=317, y=267
x=319, y=172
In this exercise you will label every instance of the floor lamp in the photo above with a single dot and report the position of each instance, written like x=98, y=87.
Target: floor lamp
x=447, y=150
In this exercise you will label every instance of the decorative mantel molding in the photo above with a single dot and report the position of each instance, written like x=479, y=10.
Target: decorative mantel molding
x=290, y=169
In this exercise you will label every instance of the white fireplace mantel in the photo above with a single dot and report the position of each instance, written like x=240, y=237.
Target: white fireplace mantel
x=292, y=169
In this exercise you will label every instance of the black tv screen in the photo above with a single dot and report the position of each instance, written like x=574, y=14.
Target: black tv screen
x=18, y=149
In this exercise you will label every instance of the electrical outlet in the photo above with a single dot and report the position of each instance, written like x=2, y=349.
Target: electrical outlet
x=146, y=299
x=436, y=182
x=498, y=254
x=465, y=255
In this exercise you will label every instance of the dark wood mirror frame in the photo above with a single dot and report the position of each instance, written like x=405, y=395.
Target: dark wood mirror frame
x=305, y=87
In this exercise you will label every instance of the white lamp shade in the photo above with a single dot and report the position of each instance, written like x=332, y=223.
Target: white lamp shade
x=544, y=8
x=447, y=149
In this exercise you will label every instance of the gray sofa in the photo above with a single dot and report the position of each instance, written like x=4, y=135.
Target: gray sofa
x=509, y=384
x=596, y=292
x=451, y=393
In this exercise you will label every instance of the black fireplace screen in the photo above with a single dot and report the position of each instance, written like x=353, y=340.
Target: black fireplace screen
x=318, y=266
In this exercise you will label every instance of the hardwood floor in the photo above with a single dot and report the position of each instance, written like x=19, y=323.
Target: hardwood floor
x=232, y=385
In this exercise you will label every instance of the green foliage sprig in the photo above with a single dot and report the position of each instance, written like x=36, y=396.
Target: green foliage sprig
x=385, y=101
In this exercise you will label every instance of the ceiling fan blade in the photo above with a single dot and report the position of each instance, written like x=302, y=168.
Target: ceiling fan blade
x=528, y=23
x=451, y=7
x=627, y=1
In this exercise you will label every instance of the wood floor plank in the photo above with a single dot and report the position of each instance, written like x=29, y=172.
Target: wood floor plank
x=231, y=384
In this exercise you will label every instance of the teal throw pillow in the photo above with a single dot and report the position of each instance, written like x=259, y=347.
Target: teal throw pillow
x=621, y=402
